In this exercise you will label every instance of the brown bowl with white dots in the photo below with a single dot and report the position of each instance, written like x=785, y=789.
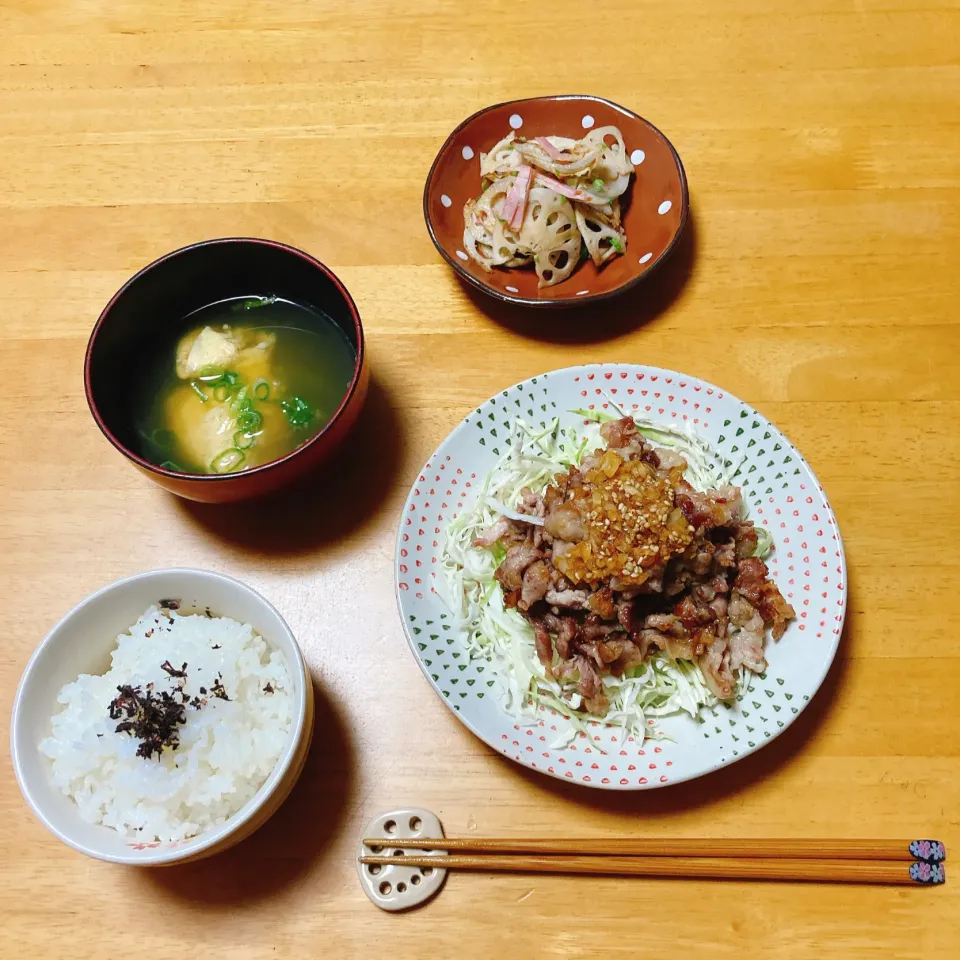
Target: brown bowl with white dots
x=655, y=210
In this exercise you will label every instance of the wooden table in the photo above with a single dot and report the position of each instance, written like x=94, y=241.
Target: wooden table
x=820, y=282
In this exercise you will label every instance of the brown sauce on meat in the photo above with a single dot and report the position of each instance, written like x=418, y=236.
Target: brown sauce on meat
x=632, y=523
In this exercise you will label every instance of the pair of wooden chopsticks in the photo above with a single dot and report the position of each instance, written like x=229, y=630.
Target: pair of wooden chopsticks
x=825, y=861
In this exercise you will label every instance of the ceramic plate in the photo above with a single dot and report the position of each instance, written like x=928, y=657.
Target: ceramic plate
x=654, y=214
x=807, y=564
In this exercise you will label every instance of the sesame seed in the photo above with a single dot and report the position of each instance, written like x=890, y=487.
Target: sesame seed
x=648, y=528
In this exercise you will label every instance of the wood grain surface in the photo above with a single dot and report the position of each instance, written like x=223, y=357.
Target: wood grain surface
x=819, y=281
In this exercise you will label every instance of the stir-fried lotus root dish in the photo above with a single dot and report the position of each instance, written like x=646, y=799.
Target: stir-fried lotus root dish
x=549, y=202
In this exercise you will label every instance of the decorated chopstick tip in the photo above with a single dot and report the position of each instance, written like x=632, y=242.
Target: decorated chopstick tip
x=928, y=873
x=930, y=851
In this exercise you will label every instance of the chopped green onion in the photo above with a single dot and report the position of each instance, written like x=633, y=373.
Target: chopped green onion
x=616, y=244
x=598, y=183
x=214, y=376
x=251, y=303
x=170, y=465
x=210, y=372
x=243, y=441
x=297, y=411
x=261, y=389
x=241, y=401
x=584, y=252
x=249, y=421
x=221, y=393
x=230, y=459
x=196, y=389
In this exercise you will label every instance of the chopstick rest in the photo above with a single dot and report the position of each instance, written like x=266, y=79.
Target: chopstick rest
x=392, y=885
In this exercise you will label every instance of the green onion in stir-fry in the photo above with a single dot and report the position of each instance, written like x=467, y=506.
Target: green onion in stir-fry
x=616, y=244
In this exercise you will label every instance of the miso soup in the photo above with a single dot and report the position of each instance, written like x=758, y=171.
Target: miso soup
x=248, y=381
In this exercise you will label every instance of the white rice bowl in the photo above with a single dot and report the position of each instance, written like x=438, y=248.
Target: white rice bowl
x=227, y=748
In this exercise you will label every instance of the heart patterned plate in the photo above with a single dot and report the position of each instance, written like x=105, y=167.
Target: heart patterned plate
x=782, y=494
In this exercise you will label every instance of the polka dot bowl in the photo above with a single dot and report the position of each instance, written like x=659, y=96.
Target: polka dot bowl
x=782, y=494
x=654, y=216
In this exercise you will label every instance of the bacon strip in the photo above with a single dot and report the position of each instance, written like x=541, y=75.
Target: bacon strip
x=516, y=200
x=573, y=193
x=552, y=151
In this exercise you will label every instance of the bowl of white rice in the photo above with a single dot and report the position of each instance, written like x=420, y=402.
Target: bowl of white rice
x=163, y=719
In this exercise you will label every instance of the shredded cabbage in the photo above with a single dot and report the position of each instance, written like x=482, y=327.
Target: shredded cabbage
x=638, y=699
